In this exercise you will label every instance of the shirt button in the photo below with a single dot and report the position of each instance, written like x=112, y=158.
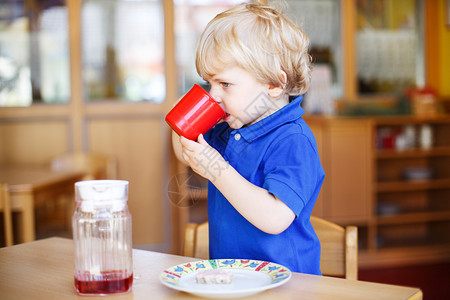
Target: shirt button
x=237, y=136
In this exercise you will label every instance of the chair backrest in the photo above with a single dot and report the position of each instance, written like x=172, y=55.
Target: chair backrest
x=196, y=240
x=96, y=166
x=339, y=245
x=5, y=207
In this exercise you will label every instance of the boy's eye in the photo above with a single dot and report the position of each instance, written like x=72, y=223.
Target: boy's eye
x=225, y=84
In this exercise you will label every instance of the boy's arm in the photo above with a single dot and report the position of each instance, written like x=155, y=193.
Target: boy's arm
x=264, y=210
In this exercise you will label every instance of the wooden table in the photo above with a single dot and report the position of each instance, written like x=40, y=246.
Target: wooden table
x=30, y=187
x=44, y=270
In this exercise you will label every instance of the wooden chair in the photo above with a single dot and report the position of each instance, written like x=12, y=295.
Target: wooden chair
x=93, y=165
x=96, y=166
x=196, y=240
x=5, y=207
x=339, y=244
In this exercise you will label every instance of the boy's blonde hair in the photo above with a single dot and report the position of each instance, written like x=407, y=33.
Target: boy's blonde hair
x=260, y=40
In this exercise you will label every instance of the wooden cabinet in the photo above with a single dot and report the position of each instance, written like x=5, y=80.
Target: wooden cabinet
x=345, y=152
x=412, y=188
x=390, y=176
x=397, y=194
x=344, y=149
x=348, y=149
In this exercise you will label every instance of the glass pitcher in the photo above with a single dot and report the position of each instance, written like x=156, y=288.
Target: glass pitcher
x=102, y=235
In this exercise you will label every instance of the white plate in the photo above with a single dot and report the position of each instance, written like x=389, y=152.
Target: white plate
x=250, y=277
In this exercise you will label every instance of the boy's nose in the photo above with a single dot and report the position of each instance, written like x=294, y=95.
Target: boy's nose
x=215, y=95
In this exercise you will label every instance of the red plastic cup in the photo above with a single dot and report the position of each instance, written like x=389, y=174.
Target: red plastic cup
x=195, y=114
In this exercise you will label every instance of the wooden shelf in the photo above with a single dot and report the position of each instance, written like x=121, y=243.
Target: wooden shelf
x=412, y=153
x=403, y=255
x=409, y=218
x=410, y=119
x=404, y=186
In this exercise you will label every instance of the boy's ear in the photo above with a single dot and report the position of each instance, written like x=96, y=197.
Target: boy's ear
x=276, y=91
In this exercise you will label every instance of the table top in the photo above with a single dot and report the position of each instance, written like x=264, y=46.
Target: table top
x=21, y=178
x=44, y=270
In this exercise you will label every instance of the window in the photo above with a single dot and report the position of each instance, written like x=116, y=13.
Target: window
x=34, y=56
x=191, y=18
x=389, y=46
x=123, y=50
x=319, y=19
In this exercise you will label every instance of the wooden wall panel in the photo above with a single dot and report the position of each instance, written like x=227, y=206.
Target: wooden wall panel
x=444, y=45
x=32, y=142
x=350, y=160
x=437, y=47
x=318, y=131
x=139, y=144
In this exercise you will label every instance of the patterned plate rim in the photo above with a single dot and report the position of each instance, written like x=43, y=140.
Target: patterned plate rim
x=279, y=273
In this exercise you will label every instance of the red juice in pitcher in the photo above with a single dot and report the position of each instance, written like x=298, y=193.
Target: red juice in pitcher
x=113, y=282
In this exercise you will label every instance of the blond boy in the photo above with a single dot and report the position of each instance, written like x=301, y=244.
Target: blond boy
x=262, y=162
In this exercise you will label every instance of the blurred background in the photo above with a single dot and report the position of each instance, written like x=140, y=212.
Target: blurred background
x=99, y=76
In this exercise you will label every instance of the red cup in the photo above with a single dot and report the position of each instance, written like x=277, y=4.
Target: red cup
x=195, y=114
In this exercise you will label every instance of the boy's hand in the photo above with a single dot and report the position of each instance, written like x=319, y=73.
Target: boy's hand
x=202, y=158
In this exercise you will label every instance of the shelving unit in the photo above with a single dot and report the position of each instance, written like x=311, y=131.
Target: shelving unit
x=404, y=219
x=399, y=220
x=413, y=212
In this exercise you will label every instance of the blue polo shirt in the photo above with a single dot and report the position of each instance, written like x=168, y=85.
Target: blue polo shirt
x=278, y=153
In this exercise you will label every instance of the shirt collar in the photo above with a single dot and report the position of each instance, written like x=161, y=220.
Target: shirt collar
x=286, y=114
